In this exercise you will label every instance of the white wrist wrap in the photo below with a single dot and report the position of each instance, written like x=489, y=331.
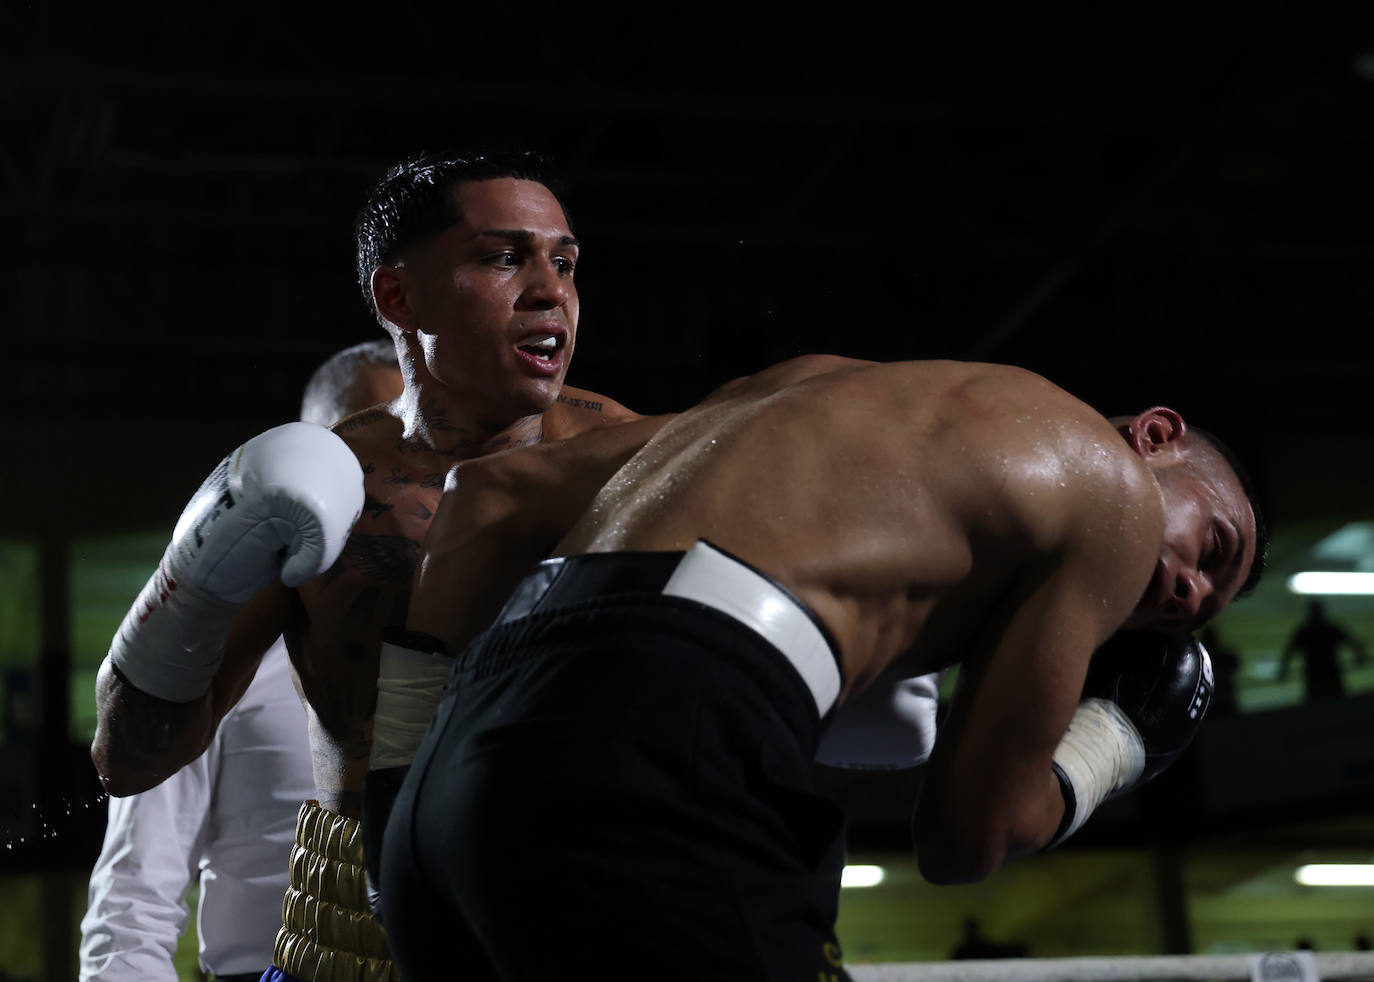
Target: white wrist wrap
x=410, y=684
x=184, y=626
x=1099, y=755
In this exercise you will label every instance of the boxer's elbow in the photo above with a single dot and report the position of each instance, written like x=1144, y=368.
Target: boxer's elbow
x=121, y=772
x=141, y=740
x=116, y=780
x=962, y=846
x=117, y=783
x=949, y=856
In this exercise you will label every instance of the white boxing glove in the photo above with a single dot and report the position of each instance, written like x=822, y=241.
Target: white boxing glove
x=280, y=506
x=887, y=726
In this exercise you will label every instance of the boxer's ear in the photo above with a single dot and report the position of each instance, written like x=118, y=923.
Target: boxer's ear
x=1156, y=432
x=391, y=287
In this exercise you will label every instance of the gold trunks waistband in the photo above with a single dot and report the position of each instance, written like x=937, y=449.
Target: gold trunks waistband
x=329, y=932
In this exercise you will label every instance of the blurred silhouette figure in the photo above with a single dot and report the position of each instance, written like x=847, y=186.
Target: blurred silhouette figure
x=1319, y=640
x=973, y=945
x=1225, y=667
x=1362, y=942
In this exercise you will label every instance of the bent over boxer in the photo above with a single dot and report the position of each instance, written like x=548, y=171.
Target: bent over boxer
x=626, y=752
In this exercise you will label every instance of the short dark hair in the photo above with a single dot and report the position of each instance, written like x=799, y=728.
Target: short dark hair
x=1251, y=489
x=414, y=201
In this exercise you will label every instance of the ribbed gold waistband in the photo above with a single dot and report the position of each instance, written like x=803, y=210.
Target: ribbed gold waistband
x=329, y=932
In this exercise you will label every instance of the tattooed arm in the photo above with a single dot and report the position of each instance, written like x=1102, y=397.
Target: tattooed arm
x=141, y=740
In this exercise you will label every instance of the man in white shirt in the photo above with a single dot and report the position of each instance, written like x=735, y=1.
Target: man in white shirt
x=228, y=818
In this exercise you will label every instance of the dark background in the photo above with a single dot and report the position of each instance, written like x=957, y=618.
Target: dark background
x=1144, y=205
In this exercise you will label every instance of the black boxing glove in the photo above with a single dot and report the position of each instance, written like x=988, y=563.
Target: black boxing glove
x=1144, y=697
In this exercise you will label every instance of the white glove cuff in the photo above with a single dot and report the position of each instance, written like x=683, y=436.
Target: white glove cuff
x=410, y=684
x=1100, y=754
x=171, y=641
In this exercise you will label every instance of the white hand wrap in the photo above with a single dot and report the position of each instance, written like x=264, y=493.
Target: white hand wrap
x=1100, y=755
x=889, y=725
x=282, y=505
x=409, y=686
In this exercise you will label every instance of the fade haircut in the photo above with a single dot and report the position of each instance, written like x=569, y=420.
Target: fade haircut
x=331, y=394
x=1247, y=484
x=415, y=201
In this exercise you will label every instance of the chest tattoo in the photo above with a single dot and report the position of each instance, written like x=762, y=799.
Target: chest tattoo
x=389, y=558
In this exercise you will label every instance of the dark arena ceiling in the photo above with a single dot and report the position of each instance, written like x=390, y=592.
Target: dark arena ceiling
x=1146, y=206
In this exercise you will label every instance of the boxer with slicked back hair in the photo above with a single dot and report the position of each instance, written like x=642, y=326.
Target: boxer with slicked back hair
x=468, y=263
x=227, y=819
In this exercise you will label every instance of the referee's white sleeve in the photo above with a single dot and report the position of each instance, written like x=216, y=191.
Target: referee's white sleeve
x=137, y=906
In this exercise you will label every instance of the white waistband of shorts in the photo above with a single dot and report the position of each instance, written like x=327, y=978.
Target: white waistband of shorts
x=717, y=580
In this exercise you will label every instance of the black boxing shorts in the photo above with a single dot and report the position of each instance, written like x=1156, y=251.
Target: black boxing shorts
x=617, y=782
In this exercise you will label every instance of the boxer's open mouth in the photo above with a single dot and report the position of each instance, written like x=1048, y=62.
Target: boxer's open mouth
x=544, y=348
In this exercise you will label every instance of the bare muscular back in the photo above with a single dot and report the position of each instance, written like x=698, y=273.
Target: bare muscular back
x=909, y=504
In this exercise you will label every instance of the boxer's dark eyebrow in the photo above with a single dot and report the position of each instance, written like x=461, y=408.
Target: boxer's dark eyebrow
x=1237, y=560
x=525, y=235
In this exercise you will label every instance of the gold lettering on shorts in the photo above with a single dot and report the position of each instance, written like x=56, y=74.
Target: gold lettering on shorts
x=833, y=954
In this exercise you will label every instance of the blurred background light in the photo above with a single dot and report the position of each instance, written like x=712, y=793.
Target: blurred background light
x=1331, y=583
x=1336, y=875
x=862, y=876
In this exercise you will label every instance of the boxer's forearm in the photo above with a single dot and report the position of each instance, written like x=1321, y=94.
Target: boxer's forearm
x=141, y=740
x=949, y=851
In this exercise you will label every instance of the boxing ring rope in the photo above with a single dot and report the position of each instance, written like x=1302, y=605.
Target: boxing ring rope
x=1276, y=966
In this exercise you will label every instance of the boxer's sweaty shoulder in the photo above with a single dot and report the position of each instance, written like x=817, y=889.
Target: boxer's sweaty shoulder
x=897, y=500
x=335, y=635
